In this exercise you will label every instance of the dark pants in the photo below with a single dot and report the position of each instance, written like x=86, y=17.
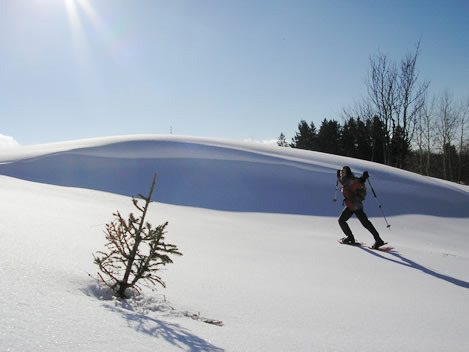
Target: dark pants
x=347, y=214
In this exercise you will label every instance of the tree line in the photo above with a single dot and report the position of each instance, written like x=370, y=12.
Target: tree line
x=397, y=124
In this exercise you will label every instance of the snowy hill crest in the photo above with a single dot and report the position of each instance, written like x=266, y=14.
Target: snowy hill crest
x=233, y=177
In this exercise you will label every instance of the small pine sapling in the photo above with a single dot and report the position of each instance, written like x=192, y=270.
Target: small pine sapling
x=136, y=251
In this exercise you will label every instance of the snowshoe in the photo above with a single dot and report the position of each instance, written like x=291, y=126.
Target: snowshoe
x=378, y=244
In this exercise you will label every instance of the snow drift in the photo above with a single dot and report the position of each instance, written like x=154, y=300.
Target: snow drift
x=232, y=177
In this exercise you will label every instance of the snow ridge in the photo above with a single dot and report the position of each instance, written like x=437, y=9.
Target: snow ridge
x=230, y=177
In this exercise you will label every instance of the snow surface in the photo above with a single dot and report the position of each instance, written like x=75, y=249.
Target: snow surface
x=258, y=229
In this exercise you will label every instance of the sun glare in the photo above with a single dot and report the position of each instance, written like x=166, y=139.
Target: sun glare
x=91, y=35
x=72, y=13
x=77, y=10
x=73, y=8
x=89, y=10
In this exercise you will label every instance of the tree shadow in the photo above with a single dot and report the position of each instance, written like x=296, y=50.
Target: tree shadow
x=172, y=333
x=401, y=260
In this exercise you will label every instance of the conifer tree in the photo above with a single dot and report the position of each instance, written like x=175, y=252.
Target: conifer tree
x=136, y=250
x=282, y=141
x=329, y=137
x=306, y=136
x=349, y=138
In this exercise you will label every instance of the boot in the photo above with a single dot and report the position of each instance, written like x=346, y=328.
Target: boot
x=348, y=240
x=378, y=243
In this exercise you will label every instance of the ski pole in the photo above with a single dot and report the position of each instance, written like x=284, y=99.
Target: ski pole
x=336, y=189
x=379, y=205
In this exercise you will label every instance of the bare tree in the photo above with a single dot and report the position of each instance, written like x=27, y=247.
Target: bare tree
x=428, y=115
x=447, y=125
x=425, y=135
x=382, y=90
x=362, y=109
x=464, y=118
x=397, y=98
x=420, y=142
x=411, y=100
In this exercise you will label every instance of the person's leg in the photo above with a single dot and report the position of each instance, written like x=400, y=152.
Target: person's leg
x=346, y=214
x=368, y=225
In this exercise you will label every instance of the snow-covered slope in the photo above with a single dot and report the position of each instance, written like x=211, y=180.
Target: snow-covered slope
x=271, y=269
x=228, y=176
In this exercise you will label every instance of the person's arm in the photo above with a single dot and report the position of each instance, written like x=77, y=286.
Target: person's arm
x=364, y=177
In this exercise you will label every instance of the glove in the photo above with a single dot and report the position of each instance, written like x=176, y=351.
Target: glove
x=366, y=175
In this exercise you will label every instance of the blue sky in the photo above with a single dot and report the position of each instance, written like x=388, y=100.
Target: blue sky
x=245, y=69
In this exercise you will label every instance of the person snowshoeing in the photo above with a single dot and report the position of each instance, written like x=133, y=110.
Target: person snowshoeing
x=354, y=192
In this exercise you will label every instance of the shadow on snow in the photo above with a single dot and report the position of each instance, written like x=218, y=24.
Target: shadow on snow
x=401, y=260
x=170, y=332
